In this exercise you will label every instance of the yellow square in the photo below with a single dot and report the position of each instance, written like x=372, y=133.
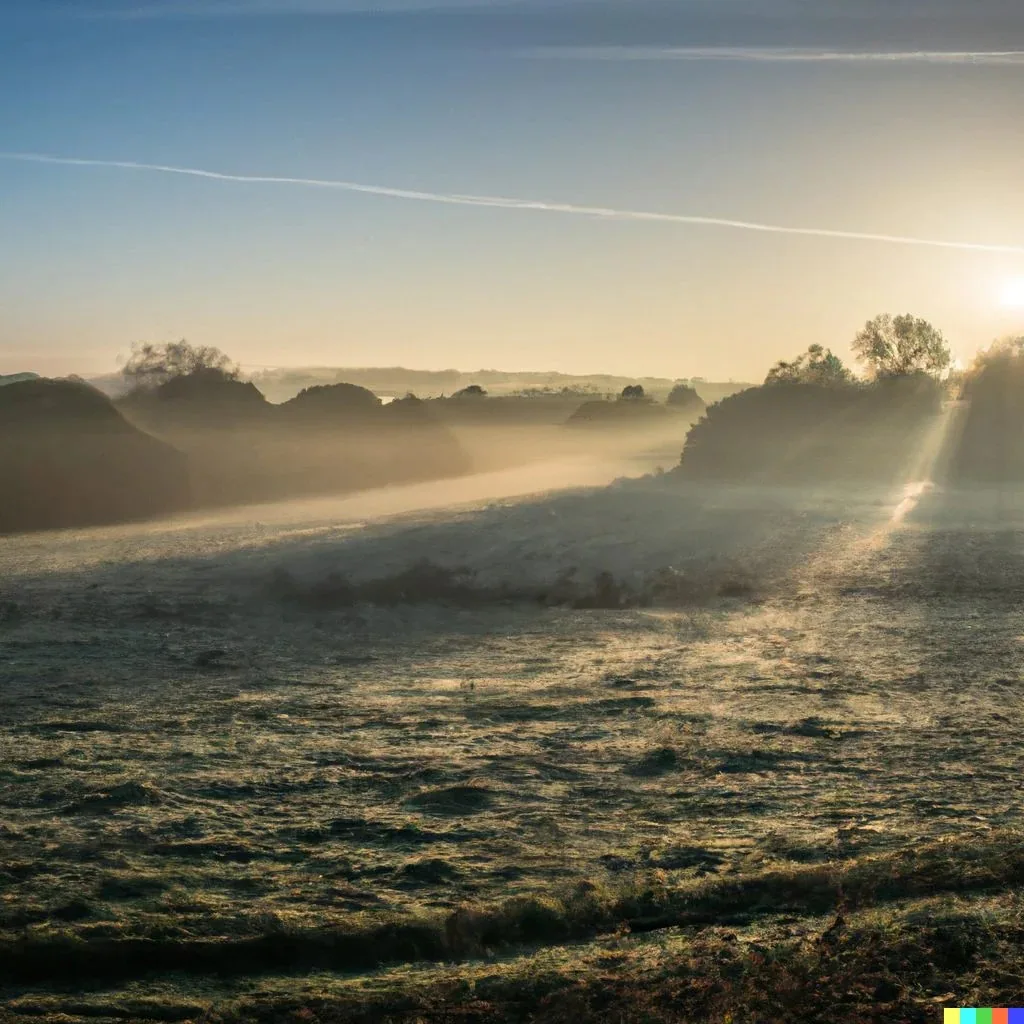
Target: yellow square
x=951, y=1015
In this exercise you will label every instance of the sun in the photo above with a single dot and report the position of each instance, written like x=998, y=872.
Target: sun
x=1013, y=293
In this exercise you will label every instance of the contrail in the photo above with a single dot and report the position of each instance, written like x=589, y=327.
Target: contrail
x=506, y=203
x=779, y=55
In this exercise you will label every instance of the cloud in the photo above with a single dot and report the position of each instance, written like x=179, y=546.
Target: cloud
x=786, y=55
x=506, y=203
x=267, y=8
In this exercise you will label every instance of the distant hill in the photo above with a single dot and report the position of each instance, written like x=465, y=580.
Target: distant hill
x=15, y=378
x=112, y=384
x=280, y=385
x=68, y=458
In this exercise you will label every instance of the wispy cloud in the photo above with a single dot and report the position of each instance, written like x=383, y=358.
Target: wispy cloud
x=507, y=203
x=266, y=8
x=787, y=55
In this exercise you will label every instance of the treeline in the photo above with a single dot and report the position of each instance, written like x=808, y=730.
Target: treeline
x=990, y=448
x=190, y=434
x=281, y=384
x=813, y=420
x=631, y=408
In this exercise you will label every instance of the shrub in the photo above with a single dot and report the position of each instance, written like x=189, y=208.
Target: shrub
x=815, y=366
x=991, y=446
x=685, y=398
x=629, y=412
x=69, y=458
x=325, y=404
x=797, y=431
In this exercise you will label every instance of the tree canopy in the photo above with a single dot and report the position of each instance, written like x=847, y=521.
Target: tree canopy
x=897, y=346
x=682, y=394
x=633, y=393
x=1003, y=350
x=817, y=365
x=151, y=365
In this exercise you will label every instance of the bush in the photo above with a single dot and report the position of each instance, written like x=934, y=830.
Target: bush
x=793, y=431
x=69, y=458
x=817, y=365
x=629, y=412
x=328, y=440
x=328, y=403
x=991, y=447
x=684, y=398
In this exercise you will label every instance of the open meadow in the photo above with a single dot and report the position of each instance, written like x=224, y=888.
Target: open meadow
x=653, y=751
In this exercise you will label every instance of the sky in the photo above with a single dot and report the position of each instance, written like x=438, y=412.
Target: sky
x=578, y=185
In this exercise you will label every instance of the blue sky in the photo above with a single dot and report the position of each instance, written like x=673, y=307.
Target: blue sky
x=586, y=103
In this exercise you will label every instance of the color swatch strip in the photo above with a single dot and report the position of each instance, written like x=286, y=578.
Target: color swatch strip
x=983, y=1015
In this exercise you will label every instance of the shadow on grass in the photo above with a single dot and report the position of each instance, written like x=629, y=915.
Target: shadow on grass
x=427, y=582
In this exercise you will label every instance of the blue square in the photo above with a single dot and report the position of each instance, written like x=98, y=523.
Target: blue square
x=1016, y=1015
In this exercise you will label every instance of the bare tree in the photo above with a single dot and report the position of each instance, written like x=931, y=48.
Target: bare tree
x=151, y=365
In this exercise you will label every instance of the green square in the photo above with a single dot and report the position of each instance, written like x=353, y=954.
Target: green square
x=983, y=1016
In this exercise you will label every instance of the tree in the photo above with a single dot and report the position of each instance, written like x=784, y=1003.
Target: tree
x=901, y=345
x=472, y=391
x=817, y=365
x=682, y=394
x=1004, y=350
x=151, y=365
x=633, y=393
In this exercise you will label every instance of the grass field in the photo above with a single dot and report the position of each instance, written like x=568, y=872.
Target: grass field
x=783, y=785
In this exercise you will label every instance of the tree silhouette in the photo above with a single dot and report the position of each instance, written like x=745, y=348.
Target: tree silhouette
x=1005, y=350
x=817, y=365
x=633, y=393
x=683, y=394
x=897, y=346
x=151, y=365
